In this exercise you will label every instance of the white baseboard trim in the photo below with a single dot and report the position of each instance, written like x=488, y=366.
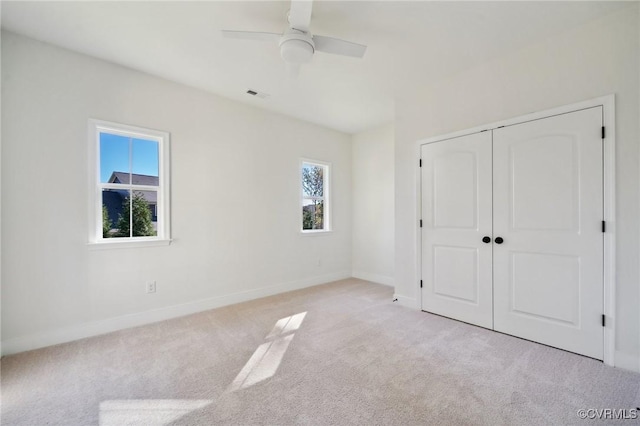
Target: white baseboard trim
x=626, y=361
x=408, y=302
x=95, y=328
x=374, y=278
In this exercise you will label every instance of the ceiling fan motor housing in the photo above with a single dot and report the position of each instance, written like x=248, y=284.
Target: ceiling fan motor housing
x=296, y=47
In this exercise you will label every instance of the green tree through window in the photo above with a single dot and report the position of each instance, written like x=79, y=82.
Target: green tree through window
x=141, y=214
x=106, y=222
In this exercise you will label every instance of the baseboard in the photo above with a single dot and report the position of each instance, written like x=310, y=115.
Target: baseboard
x=374, y=278
x=627, y=361
x=95, y=328
x=408, y=302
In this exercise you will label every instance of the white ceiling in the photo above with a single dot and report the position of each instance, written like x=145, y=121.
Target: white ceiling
x=409, y=43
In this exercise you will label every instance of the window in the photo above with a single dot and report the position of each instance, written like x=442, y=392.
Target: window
x=130, y=190
x=315, y=196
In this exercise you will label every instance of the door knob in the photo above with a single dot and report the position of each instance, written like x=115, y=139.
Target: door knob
x=486, y=240
x=499, y=240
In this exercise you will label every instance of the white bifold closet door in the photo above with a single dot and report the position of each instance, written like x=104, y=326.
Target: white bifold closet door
x=511, y=236
x=548, y=208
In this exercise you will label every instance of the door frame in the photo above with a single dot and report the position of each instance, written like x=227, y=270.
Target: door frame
x=609, y=163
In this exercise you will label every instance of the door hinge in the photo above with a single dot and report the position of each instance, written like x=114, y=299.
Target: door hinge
x=602, y=132
x=420, y=162
x=604, y=226
x=420, y=283
x=603, y=319
x=420, y=223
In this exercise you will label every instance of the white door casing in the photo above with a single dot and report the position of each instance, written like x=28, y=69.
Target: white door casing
x=456, y=215
x=548, y=208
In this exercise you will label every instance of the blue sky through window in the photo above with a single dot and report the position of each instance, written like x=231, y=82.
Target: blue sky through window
x=115, y=151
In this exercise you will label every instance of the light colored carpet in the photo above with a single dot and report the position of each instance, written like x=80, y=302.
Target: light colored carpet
x=340, y=353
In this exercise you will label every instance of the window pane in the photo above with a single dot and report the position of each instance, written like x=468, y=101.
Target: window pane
x=145, y=221
x=318, y=222
x=312, y=214
x=144, y=162
x=114, y=158
x=115, y=213
x=312, y=180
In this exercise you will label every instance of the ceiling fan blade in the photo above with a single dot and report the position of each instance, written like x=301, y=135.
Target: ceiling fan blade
x=251, y=35
x=300, y=14
x=338, y=47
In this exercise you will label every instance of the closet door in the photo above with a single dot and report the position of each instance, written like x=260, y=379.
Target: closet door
x=456, y=214
x=548, y=208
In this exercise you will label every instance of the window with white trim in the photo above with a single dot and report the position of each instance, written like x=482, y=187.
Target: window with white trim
x=130, y=190
x=315, y=196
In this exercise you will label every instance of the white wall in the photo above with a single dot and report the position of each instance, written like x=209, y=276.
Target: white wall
x=372, y=205
x=597, y=59
x=0, y=188
x=235, y=189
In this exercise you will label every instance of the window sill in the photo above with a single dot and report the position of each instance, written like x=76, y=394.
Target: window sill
x=107, y=245
x=316, y=233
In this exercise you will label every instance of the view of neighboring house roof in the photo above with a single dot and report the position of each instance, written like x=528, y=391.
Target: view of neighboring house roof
x=123, y=177
x=150, y=196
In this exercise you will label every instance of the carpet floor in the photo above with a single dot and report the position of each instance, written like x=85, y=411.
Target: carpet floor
x=336, y=354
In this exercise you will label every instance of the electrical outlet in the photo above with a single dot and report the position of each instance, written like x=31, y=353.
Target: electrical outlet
x=151, y=287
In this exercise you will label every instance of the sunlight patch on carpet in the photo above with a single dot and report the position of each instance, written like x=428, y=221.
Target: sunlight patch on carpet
x=286, y=325
x=265, y=361
x=148, y=412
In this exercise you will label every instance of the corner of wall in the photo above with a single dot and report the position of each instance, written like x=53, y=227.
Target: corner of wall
x=374, y=278
x=407, y=302
x=627, y=361
x=372, y=241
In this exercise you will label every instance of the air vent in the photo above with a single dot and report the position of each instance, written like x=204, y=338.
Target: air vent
x=257, y=94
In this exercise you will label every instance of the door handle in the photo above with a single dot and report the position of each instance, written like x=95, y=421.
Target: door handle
x=486, y=240
x=499, y=240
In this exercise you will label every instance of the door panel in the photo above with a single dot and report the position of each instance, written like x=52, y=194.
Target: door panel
x=456, y=213
x=455, y=173
x=535, y=275
x=538, y=177
x=548, y=207
x=455, y=273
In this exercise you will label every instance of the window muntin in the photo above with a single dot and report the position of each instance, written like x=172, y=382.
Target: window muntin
x=131, y=183
x=315, y=196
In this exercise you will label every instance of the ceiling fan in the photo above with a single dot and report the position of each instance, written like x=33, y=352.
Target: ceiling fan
x=297, y=44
